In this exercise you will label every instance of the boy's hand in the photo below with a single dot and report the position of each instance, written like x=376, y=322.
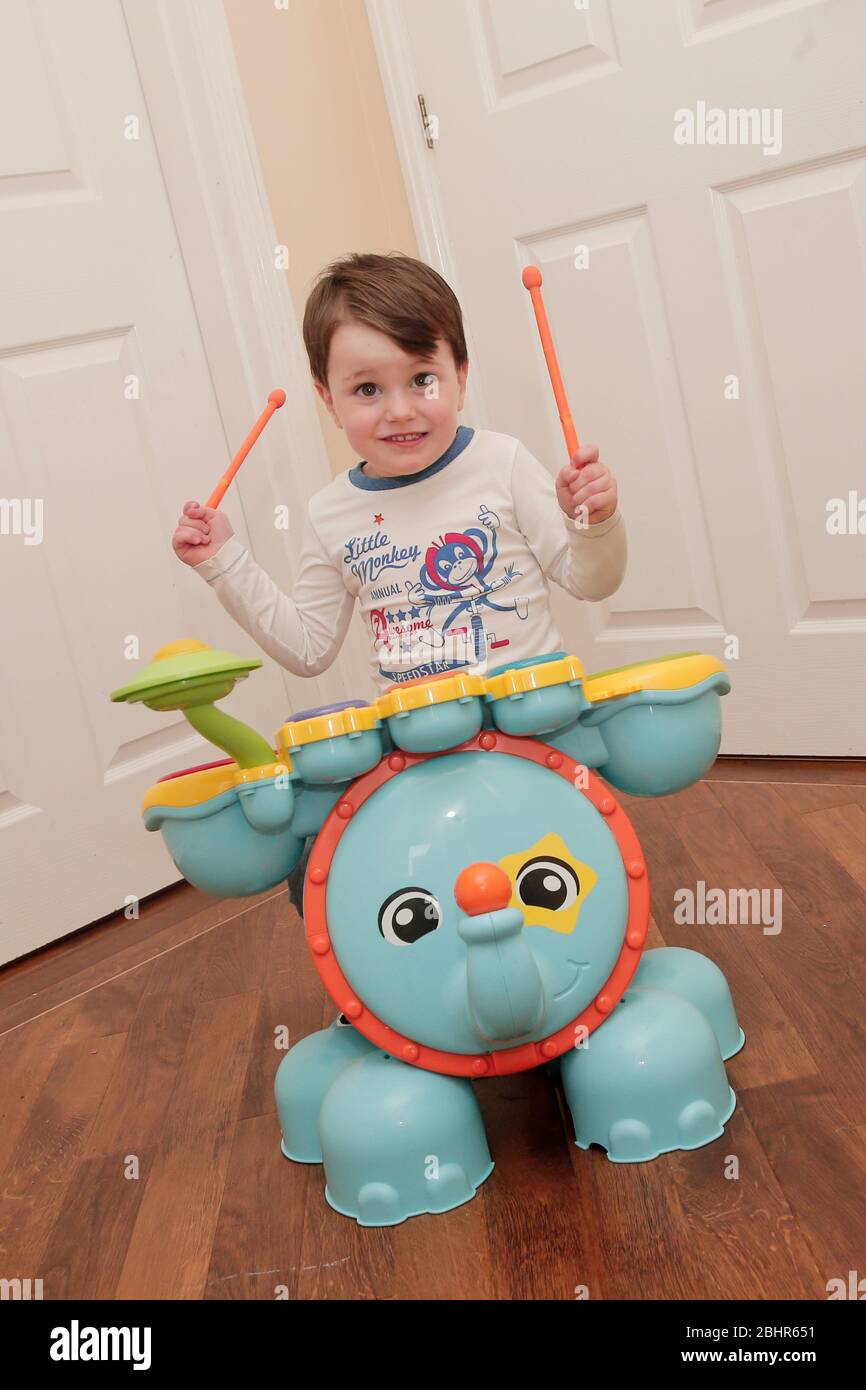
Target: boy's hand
x=200, y=533
x=587, y=483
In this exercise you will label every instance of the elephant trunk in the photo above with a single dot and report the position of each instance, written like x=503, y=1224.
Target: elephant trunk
x=505, y=992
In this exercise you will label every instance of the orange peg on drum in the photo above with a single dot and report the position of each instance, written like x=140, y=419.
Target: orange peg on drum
x=482, y=888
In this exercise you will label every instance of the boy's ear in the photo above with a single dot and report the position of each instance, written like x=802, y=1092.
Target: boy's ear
x=462, y=373
x=328, y=401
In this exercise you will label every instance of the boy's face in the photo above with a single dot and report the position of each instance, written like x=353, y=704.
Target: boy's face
x=375, y=391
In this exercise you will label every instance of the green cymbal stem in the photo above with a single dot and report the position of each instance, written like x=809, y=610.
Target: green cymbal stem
x=241, y=742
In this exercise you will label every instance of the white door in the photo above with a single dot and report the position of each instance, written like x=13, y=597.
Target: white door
x=704, y=278
x=109, y=421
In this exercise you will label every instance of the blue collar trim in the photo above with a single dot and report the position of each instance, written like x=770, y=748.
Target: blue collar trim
x=356, y=475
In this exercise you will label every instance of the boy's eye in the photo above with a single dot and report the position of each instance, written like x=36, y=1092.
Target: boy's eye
x=421, y=378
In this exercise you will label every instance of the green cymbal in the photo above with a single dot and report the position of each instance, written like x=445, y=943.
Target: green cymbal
x=184, y=674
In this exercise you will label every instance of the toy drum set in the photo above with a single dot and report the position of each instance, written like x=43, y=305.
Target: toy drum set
x=476, y=903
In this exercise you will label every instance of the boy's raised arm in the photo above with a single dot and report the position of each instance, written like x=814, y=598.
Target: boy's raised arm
x=303, y=631
x=588, y=562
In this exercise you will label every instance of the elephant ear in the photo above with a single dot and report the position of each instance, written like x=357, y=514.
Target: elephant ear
x=228, y=832
x=660, y=742
x=235, y=834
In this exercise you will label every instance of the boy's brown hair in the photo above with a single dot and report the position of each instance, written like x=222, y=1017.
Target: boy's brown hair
x=395, y=294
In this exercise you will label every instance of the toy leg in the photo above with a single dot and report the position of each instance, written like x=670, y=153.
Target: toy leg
x=398, y=1141
x=303, y=1077
x=649, y=1080
x=698, y=979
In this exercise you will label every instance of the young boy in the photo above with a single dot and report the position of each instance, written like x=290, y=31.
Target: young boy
x=444, y=534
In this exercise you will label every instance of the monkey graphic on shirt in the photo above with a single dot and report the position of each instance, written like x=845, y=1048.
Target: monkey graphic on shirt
x=426, y=636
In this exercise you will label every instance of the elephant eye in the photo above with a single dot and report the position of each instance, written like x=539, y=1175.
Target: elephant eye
x=407, y=915
x=547, y=882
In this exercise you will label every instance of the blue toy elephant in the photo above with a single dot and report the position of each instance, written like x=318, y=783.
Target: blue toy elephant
x=476, y=902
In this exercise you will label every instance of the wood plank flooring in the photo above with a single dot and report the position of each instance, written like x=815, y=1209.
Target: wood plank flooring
x=139, y=1146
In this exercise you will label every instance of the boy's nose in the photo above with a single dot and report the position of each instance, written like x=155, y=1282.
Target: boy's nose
x=400, y=408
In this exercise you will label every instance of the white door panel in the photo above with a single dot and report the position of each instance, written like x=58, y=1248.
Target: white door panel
x=93, y=296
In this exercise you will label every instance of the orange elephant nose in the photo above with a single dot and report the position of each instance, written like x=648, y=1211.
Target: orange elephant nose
x=482, y=888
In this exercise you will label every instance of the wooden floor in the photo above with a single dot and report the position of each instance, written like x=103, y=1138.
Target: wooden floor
x=151, y=1043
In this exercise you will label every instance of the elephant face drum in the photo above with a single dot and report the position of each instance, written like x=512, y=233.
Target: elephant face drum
x=501, y=978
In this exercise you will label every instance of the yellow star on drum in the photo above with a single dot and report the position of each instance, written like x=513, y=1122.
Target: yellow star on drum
x=548, y=884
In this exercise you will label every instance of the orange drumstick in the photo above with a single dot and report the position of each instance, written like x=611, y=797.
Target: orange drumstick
x=275, y=400
x=532, y=282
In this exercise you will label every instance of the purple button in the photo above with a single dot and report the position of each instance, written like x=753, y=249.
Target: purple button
x=326, y=709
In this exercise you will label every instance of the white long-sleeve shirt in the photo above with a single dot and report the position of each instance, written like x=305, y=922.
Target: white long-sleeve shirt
x=449, y=567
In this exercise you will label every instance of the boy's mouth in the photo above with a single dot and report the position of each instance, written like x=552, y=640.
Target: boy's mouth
x=405, y=441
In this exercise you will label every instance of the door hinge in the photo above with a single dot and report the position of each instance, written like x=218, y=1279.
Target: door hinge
x=430, y=123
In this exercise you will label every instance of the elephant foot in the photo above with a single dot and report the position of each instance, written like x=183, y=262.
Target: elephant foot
x=398, y=1141
x=303, y=1077
x=649, y=1080
x=698, y=979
